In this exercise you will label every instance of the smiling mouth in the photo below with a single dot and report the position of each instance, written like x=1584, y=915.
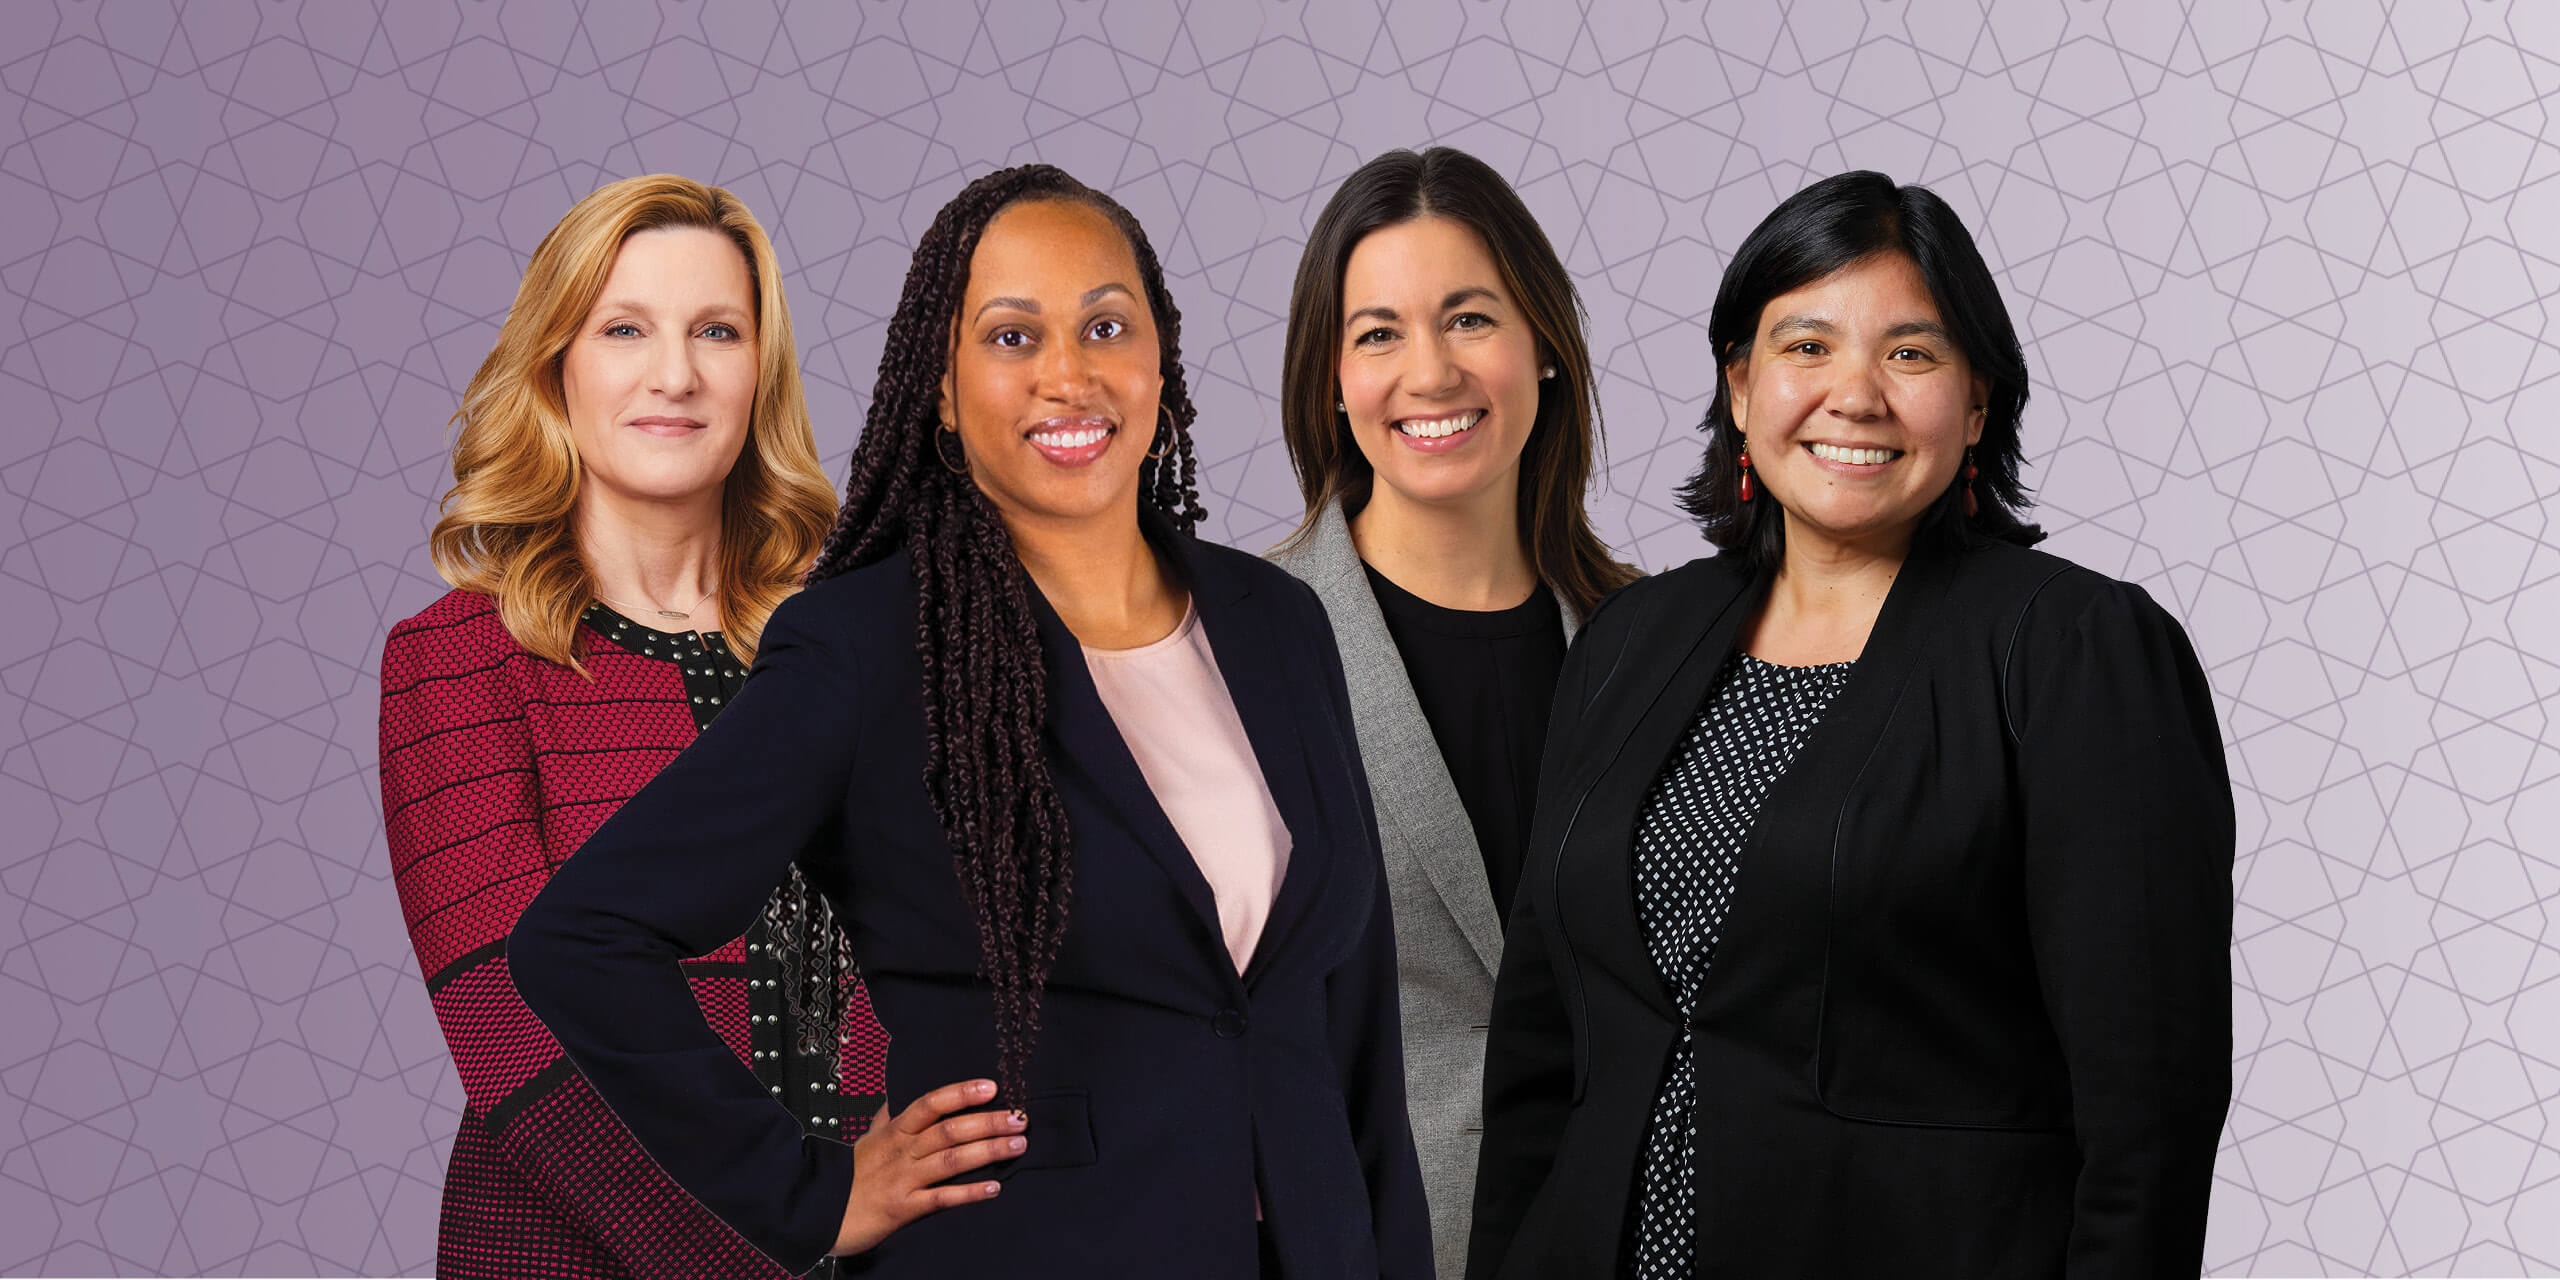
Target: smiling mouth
x=1072, y=441
x=1439, y=428
x=1853, y=457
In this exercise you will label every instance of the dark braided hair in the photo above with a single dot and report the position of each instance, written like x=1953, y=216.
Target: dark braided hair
x=985, y=690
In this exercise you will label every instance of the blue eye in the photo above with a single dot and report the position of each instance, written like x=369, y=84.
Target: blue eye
x=720, y=331
x=622, y=329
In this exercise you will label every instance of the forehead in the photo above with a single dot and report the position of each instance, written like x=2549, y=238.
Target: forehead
x=1429, y=256
x=1877, y=291
x=697, y=262
x=1047, y=247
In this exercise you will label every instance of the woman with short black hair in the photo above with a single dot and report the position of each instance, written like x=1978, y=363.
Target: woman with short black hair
x=1877, y=917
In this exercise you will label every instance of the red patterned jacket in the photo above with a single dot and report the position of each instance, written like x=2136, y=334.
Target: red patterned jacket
x=496, y=766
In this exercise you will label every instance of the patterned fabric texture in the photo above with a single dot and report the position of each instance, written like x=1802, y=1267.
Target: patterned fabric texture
x=496, y=766
x=1689, y=842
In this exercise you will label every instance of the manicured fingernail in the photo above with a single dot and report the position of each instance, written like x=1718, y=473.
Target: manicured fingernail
x=1015, y=1145
x=982, y=1087
x=994, y=1187
x=1017, y=1119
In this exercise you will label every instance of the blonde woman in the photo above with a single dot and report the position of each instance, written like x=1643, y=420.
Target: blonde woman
x=635, y=489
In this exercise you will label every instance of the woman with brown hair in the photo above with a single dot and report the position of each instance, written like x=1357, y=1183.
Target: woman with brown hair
x=1437, y=402
x=1085, y=790
x=635, y=489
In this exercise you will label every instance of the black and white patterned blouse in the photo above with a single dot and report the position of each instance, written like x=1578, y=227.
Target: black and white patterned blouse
x=1688, y=837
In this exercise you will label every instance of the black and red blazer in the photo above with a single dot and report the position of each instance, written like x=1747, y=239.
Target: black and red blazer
x=496, y=766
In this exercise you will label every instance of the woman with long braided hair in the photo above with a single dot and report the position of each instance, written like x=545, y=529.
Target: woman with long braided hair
x=1085, y=793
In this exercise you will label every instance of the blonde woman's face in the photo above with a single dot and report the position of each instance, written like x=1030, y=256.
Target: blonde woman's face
x=661, y=377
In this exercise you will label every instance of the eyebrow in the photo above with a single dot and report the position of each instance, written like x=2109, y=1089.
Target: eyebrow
x=634, y=306
x=1032, y=305
x=1456, y=298
x=1816, y=324
x=1922, y=328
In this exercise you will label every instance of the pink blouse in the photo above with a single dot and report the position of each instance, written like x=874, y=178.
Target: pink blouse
x=1173, y=711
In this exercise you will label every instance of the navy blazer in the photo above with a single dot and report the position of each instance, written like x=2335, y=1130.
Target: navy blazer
x=1167, y=1090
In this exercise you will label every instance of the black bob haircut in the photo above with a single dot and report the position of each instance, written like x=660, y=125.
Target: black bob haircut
x=1813, y=233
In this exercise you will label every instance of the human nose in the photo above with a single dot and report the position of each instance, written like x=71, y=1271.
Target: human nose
x=1066, y=372
x=1855, y=393
x=672, y=371
x=1428, y=370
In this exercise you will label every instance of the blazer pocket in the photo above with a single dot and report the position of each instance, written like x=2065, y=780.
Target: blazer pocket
x=1060, y=1136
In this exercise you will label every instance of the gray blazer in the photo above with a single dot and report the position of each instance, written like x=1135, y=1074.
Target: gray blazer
x=1448, y=936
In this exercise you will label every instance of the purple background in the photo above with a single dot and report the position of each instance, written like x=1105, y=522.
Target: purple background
x=2285, y=266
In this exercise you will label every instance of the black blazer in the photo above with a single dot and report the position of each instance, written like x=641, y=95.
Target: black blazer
x=1971, y=1013
x=1166, y=1089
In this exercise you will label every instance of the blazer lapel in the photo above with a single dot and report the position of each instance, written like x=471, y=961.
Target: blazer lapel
x=1640, y=725
x=1270, y=689
x=1266, y=689
x=1089, y=742
x=1829, y=765
x=1408, y=780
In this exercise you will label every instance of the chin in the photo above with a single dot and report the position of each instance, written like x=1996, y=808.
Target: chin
x=1073, y=502
x=1437, y=484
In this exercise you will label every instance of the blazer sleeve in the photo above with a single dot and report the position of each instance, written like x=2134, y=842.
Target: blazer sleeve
x=679, y=869
x=461, y=812
x=2128, y=853
x=1363, y=1018
x=1529, y=1050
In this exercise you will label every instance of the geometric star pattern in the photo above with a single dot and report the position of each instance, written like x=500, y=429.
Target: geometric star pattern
x=2285, y=270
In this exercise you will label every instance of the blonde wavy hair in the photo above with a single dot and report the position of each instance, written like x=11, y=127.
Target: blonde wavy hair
x=505, y=529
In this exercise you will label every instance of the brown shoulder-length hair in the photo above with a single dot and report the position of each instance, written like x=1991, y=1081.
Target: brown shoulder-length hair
x=506, y=530
x=1555, y=466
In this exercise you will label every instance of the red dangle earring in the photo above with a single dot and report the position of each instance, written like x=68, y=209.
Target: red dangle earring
x=1746, y=473
x=1972, y=507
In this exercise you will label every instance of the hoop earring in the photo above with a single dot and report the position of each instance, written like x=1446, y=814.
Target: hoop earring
x=1164, y=432
x=960, y=468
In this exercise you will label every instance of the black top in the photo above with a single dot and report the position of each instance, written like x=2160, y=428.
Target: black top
x=1484, y=679
x=1971, y=1013
x=1688, y=852
x=1288, y=1078
x=799, y=1070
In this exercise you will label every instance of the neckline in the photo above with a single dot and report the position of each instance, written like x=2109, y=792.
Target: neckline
x=1757, y=661
x=1181, y=632
x=1532, y=616
x=610, y=624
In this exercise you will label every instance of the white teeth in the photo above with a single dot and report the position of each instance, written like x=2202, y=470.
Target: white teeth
x=1858, y=457
x=1069, y=439
x=1435, y=428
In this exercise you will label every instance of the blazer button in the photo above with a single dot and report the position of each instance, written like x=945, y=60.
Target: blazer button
x=1229, y=1024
